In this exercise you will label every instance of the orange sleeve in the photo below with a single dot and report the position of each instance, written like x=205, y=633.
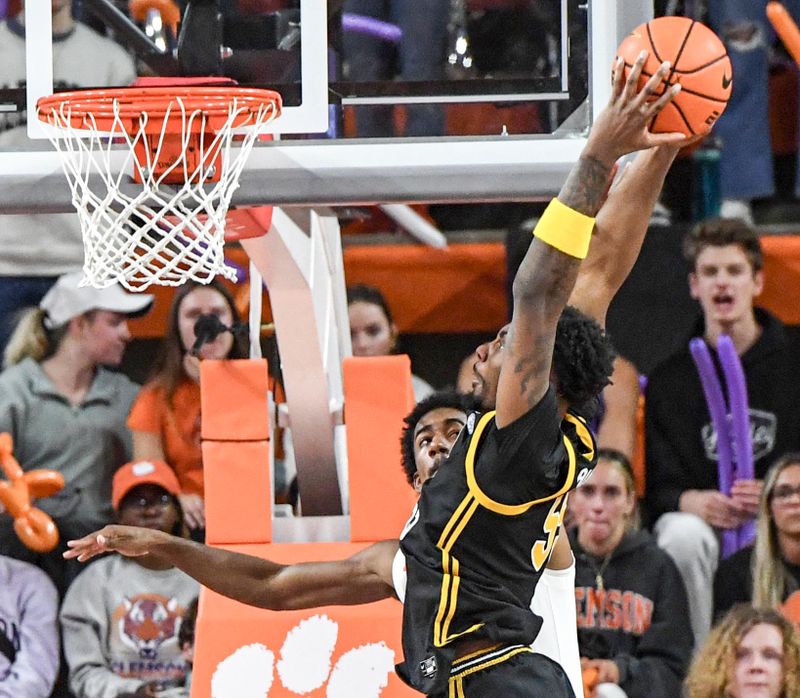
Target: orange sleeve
x=146, y=411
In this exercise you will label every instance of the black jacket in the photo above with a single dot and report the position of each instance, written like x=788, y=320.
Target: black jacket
x=640, y=618
x=733, y=582
x=680, y=443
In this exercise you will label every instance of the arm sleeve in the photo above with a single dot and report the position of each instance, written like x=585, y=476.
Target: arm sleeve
x=554, y=602
x=84, y=624
x=34, y=670
x=146, y=411
x=659, y=665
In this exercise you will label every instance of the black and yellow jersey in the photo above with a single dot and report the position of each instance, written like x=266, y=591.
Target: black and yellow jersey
x=482, y=532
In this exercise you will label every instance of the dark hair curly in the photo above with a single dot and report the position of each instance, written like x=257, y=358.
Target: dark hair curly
x=720, y=232
x=583, y=359
x=441, y=398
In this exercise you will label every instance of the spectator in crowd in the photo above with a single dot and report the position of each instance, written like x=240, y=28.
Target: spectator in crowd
x=746, y=164
x=37, y=248
x=28, y=631
x=65, y=411
x=121, y=617
x=631, y=603
x=186, y=635
x=419, y=55
x=165, y=418
x=682, y=491
x=372, y=329
x=752, y=653
x=768, y=572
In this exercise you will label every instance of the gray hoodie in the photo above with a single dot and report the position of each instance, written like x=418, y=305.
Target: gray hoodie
x=120, y=624
x=28, y=631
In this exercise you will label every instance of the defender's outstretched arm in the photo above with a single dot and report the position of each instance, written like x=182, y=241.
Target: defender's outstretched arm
x=362, y=578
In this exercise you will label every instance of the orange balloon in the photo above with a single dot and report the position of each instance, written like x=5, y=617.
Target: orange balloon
x=33, y=527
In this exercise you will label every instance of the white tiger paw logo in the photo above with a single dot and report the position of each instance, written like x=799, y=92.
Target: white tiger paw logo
x=305, y=666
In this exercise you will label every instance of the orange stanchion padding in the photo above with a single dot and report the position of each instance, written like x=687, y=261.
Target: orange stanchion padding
x=377, y=395
x=233, y=400
x=781, y=277
x=238, y=493
x=439, y=286
x=33, y=527
x=335, y=650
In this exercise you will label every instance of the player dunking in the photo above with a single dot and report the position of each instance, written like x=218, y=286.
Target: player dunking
x=486, y=524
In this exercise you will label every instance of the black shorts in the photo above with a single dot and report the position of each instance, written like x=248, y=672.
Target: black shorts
x=507, y=672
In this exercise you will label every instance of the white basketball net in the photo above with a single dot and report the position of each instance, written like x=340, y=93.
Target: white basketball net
x=154, y=232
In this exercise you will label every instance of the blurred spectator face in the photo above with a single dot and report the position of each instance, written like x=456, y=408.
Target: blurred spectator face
x=758, y=671
x=602, y=505
x=370, y=330
x=724, y=283
x=434, y=436
x=149, y=506
x=486, y=371
x=105, y=335
x=785, y=501
x=205, y=301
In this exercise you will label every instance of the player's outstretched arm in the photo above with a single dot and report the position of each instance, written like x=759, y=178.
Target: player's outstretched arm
x=548, y=272
x=362, y=578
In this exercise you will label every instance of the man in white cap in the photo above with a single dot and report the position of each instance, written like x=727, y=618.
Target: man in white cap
x=65, y=410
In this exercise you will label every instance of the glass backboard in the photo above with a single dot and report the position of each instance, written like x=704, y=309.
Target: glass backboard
x=457, y=100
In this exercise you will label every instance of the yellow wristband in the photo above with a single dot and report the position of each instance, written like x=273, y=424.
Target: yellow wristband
x=567, y=230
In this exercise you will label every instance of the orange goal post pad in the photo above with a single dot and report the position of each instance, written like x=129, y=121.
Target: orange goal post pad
x=334, y=650
x=377, y=396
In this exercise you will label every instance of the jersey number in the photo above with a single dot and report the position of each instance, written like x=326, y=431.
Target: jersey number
x=541, y=550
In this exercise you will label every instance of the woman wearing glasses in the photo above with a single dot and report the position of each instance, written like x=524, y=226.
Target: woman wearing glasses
x=121, y=616
x=767, y=573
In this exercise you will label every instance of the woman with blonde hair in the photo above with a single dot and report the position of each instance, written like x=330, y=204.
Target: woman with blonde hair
x=751, y=653
x=65, y=411
x=768, y=572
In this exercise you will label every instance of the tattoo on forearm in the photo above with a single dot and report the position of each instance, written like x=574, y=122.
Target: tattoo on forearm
x=584, y=189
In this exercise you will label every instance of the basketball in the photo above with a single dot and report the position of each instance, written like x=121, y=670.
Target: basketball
x=698, y=61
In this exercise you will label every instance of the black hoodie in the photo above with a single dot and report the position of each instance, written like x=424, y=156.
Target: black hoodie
x=639, y=618
x=681, y=449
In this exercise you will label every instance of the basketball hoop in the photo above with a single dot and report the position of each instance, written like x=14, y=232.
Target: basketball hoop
x=186, y=147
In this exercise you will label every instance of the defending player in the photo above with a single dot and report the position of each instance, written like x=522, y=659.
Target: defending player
x=496, y=507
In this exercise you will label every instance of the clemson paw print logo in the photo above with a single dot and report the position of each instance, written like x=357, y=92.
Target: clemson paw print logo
x=303, y=666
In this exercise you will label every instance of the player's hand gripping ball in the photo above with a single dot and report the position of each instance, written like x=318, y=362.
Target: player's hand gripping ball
x=698, y=61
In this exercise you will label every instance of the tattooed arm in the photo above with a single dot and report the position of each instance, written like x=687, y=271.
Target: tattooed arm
x=546, y=277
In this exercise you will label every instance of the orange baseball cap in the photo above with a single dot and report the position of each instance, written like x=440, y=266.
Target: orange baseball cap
x=143, y=472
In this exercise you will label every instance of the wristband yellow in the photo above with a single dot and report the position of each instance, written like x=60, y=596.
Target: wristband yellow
x=567, y=230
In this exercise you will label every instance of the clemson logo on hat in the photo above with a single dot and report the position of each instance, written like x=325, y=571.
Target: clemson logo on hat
x=143, y=468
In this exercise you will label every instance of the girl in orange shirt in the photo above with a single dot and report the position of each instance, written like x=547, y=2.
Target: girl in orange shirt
x=165, y=418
